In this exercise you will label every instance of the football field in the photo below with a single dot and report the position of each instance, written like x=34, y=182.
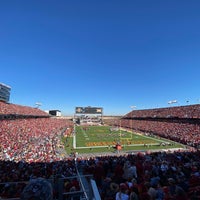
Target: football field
x=88, y=139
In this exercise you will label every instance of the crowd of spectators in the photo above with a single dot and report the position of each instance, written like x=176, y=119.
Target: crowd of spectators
x=160, y=176
x=146, y=176
x=180, y=124
x=31, y=140
x=190, y=111
x=29, y=148
x=14, y=176
x=14, y=109
x=185, y=133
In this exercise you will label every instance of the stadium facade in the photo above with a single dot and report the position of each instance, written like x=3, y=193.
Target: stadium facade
x=4, y=92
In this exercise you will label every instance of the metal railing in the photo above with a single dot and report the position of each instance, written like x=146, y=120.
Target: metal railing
x=88, y=189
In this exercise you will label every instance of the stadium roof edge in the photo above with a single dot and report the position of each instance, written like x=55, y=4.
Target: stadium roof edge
x=168, y=107
x=5, y=85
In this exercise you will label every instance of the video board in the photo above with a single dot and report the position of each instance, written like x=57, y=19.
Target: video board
x=88, y=110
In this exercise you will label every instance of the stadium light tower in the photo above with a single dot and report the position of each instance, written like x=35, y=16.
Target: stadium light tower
x=38, y=104
x=133, y=107
x=172, y=102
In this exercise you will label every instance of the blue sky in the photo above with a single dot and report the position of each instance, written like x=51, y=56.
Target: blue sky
x=105, y=53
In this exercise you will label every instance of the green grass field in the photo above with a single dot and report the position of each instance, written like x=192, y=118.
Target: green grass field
x=101, y=139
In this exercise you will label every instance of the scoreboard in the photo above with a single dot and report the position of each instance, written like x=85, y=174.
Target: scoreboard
x=88, y=110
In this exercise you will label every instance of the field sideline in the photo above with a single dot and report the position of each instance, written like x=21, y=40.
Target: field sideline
x=103, y=139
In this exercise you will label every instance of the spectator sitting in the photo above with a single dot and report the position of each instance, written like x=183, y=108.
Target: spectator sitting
x=37, y=189
x=122, y=194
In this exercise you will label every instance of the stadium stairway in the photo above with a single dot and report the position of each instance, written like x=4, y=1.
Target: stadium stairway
x=88, y=185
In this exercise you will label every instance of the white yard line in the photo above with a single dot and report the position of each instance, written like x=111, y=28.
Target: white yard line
x=74, y=141
x=85, y=134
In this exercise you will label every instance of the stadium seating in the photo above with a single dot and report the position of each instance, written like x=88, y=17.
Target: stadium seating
x=160, y=175
x=180, y=124
x=190, y=111
x=32, y=139
x=13, y=109
x=30, y=148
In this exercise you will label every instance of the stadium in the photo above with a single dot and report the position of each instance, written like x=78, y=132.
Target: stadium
x=145, y=154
